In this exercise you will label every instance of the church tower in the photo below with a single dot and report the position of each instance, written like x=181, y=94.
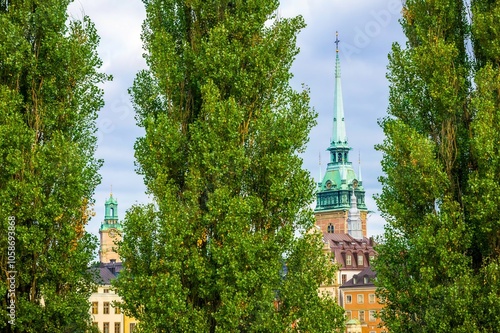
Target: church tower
x=340, y=185
x=110, y=232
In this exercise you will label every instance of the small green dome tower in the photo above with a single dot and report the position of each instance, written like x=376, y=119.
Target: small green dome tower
x=110, y=232
x=111, y=214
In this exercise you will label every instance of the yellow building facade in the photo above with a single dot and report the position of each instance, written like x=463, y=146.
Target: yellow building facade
x=362, y=307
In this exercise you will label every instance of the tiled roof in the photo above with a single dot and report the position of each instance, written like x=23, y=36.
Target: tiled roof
x=342, y=245
x=363, y=279
x=106, y=272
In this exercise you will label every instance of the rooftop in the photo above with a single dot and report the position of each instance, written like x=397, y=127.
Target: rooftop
x=107, y=272
x=365, y=278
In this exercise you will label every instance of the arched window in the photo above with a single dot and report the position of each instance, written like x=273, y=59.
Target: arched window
x=112, y=211
x=331, y=229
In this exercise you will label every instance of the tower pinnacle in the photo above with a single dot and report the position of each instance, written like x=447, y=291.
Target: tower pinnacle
x=354, y=227
x=339, y=136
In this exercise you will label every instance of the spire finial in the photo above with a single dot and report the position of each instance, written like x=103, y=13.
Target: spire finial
x=337, y=59
x=320, y=176
x=111, y=191
x=360, y=178
x=337, y=41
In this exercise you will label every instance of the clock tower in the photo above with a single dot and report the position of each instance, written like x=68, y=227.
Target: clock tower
x=110, y=232
x=340, y=193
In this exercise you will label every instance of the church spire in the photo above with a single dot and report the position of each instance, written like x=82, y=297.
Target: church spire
x=340, y=190
x=333, y=197
x=339, y=136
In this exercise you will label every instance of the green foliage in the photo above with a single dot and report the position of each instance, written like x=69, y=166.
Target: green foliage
x=438, y=260
x=48, y=105
x=220, y=157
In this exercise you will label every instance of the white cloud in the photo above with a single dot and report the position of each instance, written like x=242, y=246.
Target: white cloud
x=367, y=30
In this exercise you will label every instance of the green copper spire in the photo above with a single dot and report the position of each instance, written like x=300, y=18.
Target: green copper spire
x=339, y=136
x=335, y=189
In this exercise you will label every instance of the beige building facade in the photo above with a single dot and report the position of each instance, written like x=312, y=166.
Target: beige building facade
x=106, y=315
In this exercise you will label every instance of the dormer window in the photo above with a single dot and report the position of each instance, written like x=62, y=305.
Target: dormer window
x=366, y=280
x=348, y=260
x=360, y=260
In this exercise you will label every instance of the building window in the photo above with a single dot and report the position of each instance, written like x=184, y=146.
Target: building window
x=118, y=310
x=105, y=328
x=105, y=308
x=348, y=315
x=348, y=260
x=361, y=298
x=117, y=328
x=95, y=307
x=371, y=298
x=95, y=324
x=331, y=229
x=360, y=260
x=132, y=327
x=372, y=258
x=372, y=315
x=344, y=278
x=361, y=316
x=106, y=291
x=348, y=299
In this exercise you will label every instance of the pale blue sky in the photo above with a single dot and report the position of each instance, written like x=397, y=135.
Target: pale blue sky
x=366, y=31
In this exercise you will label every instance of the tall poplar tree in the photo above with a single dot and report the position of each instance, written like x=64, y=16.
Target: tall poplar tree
x=218, y=251
x=49, y=100
x=439, y=264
